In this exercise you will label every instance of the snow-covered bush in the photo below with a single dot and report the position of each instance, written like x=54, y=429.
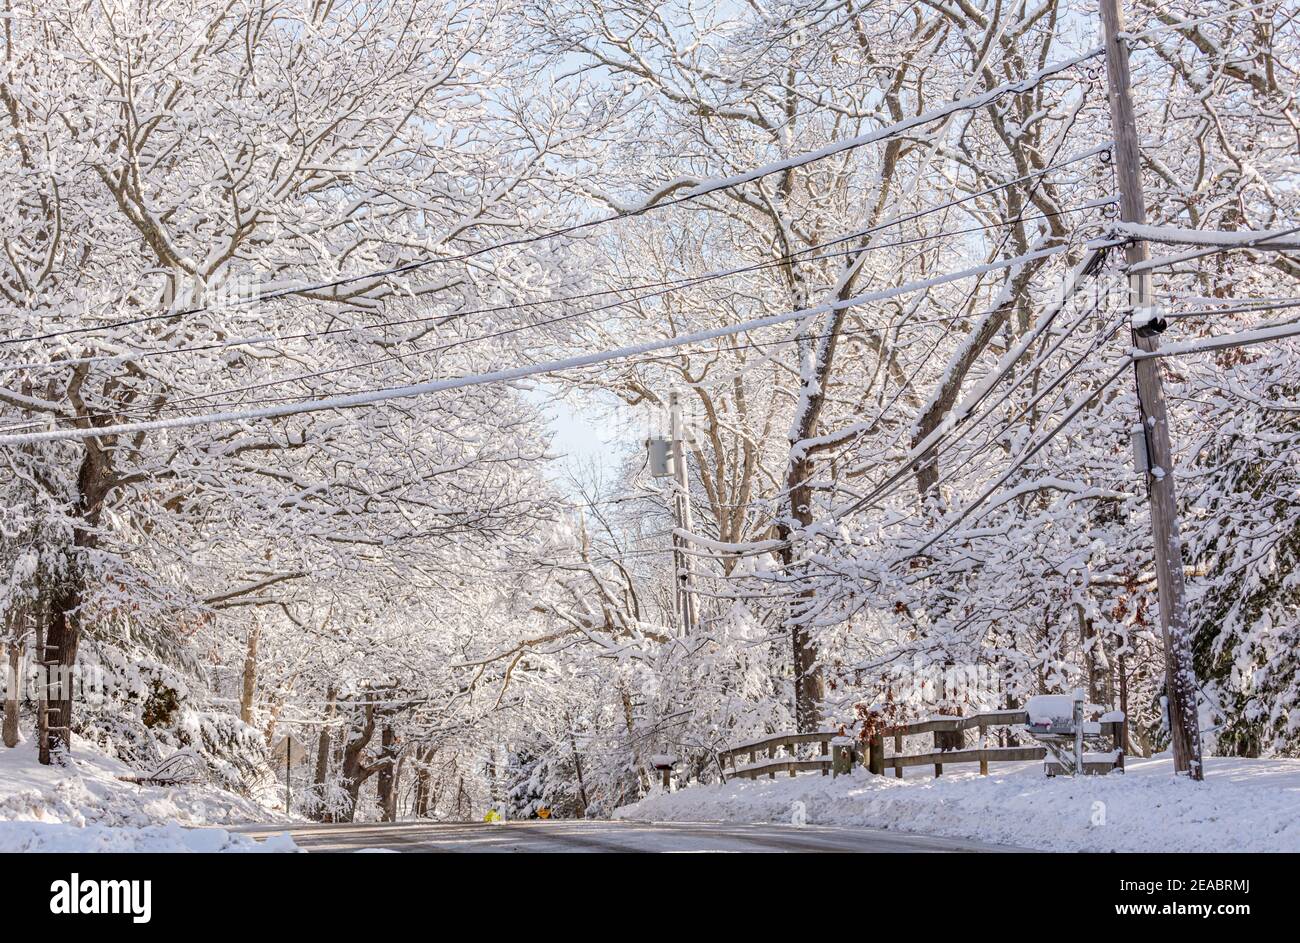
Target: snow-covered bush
x=141, y=711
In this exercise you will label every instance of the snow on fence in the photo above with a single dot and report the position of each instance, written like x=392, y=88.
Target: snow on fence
x=837, y=753
x=791, y=762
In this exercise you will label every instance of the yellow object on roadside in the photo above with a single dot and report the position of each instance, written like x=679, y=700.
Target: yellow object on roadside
x=543, y=813
x=492, y=816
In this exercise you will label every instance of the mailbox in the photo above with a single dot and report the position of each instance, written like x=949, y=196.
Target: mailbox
x=664, y=764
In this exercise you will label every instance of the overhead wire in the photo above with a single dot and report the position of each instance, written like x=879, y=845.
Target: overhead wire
x=673, y=284
x=368, y=398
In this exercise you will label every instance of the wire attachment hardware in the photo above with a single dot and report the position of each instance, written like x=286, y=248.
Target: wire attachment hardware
x=1148, y=322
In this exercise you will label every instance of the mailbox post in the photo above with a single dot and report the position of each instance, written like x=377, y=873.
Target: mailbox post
x=664, y=764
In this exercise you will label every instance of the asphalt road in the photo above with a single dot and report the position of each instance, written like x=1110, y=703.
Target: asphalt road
x=596, y=836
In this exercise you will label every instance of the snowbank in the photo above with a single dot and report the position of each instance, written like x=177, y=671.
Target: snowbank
x=87, y=808
x=1243, y=805
x=55, y=837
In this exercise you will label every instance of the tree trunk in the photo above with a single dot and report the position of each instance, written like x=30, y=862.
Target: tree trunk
x=423, y=782
x=421, y=794
x=1122, y=669
x=809, y=686
x=494, y=790
x=389, y=767
x=248, y=692
x=323, y=752
x=1098, y=678
x=62, y=633
x=629, y=722
x=462, y=798
x=12, y=681
x=355, y=770
x=273, y=717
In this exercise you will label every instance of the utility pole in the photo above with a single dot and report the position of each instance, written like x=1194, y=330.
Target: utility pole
x=683, y=562
x=288, y=773
x=1180, y=676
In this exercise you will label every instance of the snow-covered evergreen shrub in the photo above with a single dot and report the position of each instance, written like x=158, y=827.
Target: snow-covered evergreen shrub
x=1246, y=540
x=141, y=710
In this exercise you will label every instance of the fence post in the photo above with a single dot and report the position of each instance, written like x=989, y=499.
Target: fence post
x=842, y=757
x=984, y=760
x=826, y=748
x=1079, y=768
x=878, y=754
x=898, y=751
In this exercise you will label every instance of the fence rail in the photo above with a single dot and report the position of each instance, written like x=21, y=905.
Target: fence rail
x=840, y=756
x=877, y=761
x=791, y=762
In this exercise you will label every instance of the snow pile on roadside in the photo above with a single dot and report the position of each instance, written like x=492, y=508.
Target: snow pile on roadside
x=1243, y=805
x=85, y=807
x=156, y=839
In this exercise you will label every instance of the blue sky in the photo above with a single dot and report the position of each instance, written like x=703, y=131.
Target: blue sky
x=581, y=435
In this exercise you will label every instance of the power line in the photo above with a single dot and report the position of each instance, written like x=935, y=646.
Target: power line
x=894, y=481
x=1060, y=142
x=1024, y=457
x=941, y=443
x=964, y=410
x=178, y=405
x=1263, y=304
x=668, y=285
x=944, y=443
x=1262, y=335
x=1101, y=338
x=1086, y=269
x=1165, y=261
x=461, y=342
x=368, y=398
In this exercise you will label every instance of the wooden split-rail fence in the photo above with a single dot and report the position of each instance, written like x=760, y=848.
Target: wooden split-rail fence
x=793, y=753
x=788, y=744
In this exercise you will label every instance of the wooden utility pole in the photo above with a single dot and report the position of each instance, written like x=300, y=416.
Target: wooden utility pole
x=683, y=562
x=577, y=766
x=1180, y=676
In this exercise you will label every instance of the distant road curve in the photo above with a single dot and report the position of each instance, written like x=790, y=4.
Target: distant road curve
x=598, y=836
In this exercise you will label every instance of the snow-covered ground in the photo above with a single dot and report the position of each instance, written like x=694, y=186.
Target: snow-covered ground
x=87, y=808
x=1243, y=805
